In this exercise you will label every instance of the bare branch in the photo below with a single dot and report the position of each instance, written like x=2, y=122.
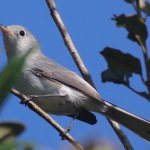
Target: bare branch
x=47, y=118
x=73, y=51
x=68, y=42
x=137, y=92
x=123, y=138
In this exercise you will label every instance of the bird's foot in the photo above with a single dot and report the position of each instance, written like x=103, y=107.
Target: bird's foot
x=26, y=100
x=63, y=134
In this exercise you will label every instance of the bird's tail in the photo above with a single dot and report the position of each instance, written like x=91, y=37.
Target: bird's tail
x=136, y=124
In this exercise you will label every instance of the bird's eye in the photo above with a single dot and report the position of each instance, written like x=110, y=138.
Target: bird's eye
x=21, y=32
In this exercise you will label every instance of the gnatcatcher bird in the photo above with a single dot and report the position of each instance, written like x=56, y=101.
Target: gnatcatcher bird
x=58, y=90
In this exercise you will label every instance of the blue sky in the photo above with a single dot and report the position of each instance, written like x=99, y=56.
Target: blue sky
x=91, y=28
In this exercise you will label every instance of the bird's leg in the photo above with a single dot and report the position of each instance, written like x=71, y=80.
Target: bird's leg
x=71, y=124
x=69, y=127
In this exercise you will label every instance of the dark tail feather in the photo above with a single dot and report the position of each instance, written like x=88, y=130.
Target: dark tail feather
x=86, y=116
x=136, y=124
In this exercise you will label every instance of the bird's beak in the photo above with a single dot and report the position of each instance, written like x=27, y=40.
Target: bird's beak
x=7, y=33
x=4, y=29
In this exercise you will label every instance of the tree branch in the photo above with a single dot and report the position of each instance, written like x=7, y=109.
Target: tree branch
x=68, y=42
x=47, y=118
x=73, y=51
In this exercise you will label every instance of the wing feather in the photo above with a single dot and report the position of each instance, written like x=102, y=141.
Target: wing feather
x=52, y=71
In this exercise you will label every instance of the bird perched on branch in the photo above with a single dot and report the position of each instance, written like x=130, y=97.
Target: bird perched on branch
x=58, y=90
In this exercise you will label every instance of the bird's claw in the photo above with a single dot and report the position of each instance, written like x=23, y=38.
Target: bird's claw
x=63, y=134
x=25, y=101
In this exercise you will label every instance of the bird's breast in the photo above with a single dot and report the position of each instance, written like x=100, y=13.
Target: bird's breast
x=52, y=97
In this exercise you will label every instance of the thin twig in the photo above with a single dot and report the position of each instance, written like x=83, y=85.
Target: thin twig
x=134, y=5
x=138, y=10
x=137, y=92
x=123, y=138
x=71, y=47
x=146, y=61
x=47, y=118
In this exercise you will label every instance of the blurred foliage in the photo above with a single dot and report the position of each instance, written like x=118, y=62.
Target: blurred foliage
x=92, y=143
x=123, y=66
x=9, y=75
x=8, y=133
x=100, y=144
x=13, y=144
x=10, y=130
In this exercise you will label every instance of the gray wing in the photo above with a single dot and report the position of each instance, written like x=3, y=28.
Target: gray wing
x=52, y=71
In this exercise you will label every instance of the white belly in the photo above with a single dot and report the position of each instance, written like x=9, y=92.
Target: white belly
x=60, y=105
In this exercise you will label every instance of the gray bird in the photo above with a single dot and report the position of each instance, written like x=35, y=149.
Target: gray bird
x=58, y=90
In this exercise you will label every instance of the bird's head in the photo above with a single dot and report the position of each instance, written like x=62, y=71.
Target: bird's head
x=18, y=40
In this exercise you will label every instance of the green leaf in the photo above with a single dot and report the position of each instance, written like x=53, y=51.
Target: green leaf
x=115, y=76
x=9, y=130
x=9, y=75
x=13, y=144
x=9, y=145
x=137, y=30
x=120, y=66
x=8, y=133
